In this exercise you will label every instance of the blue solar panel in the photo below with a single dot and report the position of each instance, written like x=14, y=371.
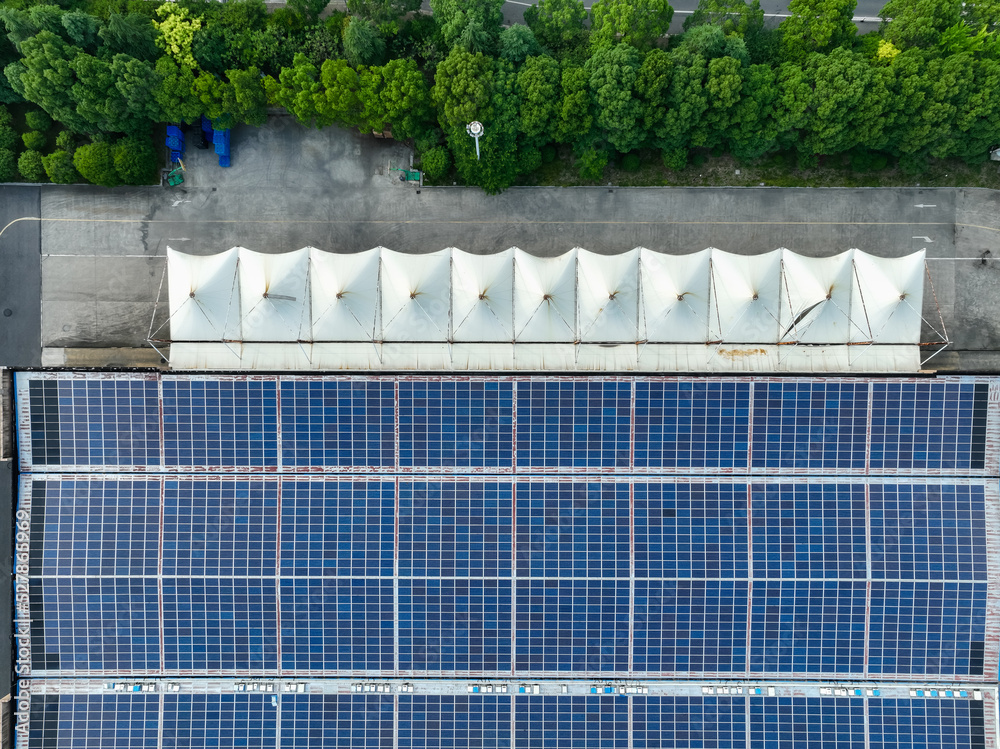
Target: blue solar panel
x=337, y=527
x=314, y=721
x=90, y=527
x=920, y=724
x=104, y=624
x=685, y=722
x=455, y=423
x=927, y=628
x=219, y=624
x=448, y=528
x=210, y=721
x=928, y=425
x=220, y=422
x=573, y=530
x=454, y=625
x=459, y=722
x=345, y=423
x=693, y=424
x=107, y=721
x=557, y=722
x=801, y=722
x=808, y=531
x=690, y=625
x=690, y=530
x=220, y=527
x=810, y=424
x=573, y=423
x=808, y=626
x=572, y=625
x=928, y=532
x=337, y=624
x=98, y=422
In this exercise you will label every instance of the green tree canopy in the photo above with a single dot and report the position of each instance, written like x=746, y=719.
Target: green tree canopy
x=918, y=23
x=732, y=16
x=463, y=87
x=454, y=15
x=613, y=75
x=382, y=12
x=517, y=43
x=131, y=34
x=362, y=43
x=175, y=95
x=96, y=163
x=59, y=167
x=817, y=26
x=635, y=22
x=557, y=24
x=538, y=88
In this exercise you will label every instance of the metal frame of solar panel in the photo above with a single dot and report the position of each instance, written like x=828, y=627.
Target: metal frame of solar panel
x=621, y=529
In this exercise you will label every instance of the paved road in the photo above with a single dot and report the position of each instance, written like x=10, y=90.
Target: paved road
x=103, y=251
x=20, y=278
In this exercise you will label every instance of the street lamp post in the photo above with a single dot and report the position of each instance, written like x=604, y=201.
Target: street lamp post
x=475, y=130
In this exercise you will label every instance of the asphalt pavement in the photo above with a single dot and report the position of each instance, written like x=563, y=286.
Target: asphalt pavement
x=20, y=277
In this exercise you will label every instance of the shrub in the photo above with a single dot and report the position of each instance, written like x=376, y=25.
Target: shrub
x=591, y=163
x=675, y=158
x=38, y=120
x=8, y=165
x=135, y=160
x=59, y=167
x=631, y=162
x=34, y=140
x=96, y=164
x=29, y=164
x=8, y=137
x=436, y=162
x=5, y=116
x=66, y=141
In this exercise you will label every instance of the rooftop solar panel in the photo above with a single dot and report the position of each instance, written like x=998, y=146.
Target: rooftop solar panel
x=573, y=424
x=573, y=530
x=338, y=423
x=692, y=425
x=455, y=529
x=337, y=527
x=690, y=530
x=320, y=721
x=808, y=626
x=809, y=531
x=330, y=625
x=684, y=722
x=455, y=423
x=943, y=724
x=810, y=424
x=556, y=722
x=99, y=721
x=220, y=422
x=450, y=722
x=684, y=626
x=211, y=721
x=792, y=722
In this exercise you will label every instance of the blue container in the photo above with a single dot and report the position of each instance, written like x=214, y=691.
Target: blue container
x=224, y=160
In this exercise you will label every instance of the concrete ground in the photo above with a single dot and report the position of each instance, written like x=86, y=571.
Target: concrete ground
x=102, y=251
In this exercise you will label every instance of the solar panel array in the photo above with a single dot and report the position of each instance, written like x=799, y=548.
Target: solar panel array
x=286, y=575
x=505, y=425
x=423, y=721
x=507, y=528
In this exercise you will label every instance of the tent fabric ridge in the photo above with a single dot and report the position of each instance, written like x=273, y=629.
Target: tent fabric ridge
x=640, y=296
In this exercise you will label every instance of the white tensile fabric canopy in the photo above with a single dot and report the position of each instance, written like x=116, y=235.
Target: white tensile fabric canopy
x=456, y=299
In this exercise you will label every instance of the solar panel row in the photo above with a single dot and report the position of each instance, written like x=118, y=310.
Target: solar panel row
x=299, y=574
x=310, y=721
x=525, y=425
x=534, y=528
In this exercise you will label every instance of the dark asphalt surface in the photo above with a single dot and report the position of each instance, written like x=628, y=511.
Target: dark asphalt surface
x=20, y=278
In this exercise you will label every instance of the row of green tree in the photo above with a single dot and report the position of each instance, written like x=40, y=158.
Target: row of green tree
x=926, y=85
